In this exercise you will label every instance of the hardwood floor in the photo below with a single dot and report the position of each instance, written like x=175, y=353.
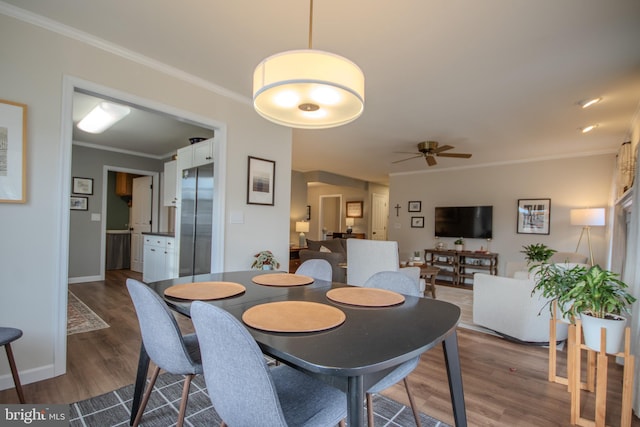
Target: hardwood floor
x=505, y=384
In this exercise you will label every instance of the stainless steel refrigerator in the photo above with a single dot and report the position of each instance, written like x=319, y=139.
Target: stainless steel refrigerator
x=196, y=220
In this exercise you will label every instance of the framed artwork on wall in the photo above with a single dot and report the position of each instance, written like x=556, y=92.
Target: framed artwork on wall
x=534, y=216
x=261, y=178
x=354, y=209
x=417, y=222
x=79, y=203
x=415, y=206
x=13, y=152
x=82, y=185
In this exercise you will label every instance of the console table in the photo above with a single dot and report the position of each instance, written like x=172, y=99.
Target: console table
x=457, y=267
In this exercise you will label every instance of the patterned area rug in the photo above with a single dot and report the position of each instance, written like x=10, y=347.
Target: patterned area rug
x=81, y=318
x=113, y=409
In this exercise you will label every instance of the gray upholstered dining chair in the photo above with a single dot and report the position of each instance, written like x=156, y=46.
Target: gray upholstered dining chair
x=319, y=269
x=403, y=284
x=245, y=391
x=7, y=336
x=167, y=348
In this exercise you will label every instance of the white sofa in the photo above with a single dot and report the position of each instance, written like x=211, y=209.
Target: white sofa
x=505, y=305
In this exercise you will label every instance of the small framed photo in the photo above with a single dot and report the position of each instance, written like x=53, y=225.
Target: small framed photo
x=354, y=209
x=417, y=222
x=415, y=206
x=79, y=203
x=82, y=185
x=13, y=152
x=308, y=213
x=534, y=216
x=261, y=178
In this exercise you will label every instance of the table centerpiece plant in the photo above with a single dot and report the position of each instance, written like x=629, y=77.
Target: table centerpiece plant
x=599, y=298
x=265, y=260
x=537, y=253
x=459, y=244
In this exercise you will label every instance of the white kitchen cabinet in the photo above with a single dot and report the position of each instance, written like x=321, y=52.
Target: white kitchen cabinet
x=169, y=196
x=200, y=153
x=159, y=258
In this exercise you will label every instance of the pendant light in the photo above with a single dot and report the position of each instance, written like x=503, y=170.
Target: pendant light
x=308, y=88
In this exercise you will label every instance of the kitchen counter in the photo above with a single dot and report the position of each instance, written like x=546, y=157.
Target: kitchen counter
x=159, y=233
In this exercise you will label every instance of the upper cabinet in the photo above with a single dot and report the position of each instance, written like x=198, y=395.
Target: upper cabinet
x=124, y=184
x=200, y=153
x=169, y=196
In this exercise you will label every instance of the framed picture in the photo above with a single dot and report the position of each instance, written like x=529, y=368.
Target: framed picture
x=415, y=206
x=534, y=216
x=82, y=185
x=354, y=209
x=261, y=178
x=13, y=152
x=308, y=213
x=417, y=222
x=79, y=203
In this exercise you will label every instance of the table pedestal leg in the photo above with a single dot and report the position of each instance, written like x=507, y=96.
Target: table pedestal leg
x=454, y=374
x=141, y=380
x=355, y=401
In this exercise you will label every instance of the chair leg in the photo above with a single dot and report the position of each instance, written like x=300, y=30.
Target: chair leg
x=147, y=394
x=369, y=410
x=184, y=399
x=14, y=372
x=342, y=423
x=416, y=415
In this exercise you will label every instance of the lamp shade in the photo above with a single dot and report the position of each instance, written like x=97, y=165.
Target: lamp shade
x=587, y=217
x=308, y=89
x=350, y=221
x=302, y=227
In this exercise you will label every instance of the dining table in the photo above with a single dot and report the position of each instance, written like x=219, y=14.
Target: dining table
x=353, y=355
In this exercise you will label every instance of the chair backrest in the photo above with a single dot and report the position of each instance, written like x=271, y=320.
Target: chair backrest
x=160, y=332
x=319, y=269
x=238, y=380
x=393, y=281
x=413, y=273
x=367, y=257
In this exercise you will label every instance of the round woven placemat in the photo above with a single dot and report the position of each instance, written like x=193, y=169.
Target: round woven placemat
x=366, y=297
x=282, y=279
x=293, y=316
x=204, y=290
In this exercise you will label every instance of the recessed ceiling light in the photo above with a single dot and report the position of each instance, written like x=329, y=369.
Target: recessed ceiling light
x=589, y=102
x=588, y=128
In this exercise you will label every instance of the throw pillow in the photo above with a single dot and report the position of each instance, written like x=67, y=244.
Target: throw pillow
x=324, y=249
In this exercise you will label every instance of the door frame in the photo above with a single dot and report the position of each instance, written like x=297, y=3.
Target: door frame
x=321, y=208
x=60, y=286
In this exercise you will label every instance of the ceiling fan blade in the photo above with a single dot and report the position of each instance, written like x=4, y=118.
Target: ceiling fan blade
x=404, y=160
x=407, y=152
x=431, y=161
x=443, y=148
x=460, y=155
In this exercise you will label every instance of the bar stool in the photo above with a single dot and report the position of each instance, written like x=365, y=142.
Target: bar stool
x=7, y=336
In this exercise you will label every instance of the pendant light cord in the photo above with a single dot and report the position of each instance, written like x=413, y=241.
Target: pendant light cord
x=310, y=23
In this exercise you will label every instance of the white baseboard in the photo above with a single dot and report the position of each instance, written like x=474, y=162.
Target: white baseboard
x=85, y=279
x=27, y=377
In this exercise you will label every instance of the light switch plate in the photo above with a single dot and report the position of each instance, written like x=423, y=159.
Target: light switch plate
x=95, y=217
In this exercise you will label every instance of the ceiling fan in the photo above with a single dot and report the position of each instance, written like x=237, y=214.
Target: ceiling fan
x=430, y=149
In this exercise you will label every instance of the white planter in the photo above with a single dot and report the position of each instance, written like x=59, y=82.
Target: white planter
x=459, y=248
x=615, y=332
x=266, y=267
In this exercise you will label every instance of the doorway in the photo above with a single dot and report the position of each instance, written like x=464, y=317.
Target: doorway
x=330, y=215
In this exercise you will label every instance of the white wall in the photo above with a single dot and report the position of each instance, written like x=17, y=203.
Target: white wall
x=35, y=62
x=569, y=183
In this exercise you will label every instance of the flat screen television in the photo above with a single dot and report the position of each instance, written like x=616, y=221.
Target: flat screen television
x=471, y=222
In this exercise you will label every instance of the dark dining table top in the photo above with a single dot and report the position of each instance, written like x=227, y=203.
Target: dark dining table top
x=371, y=340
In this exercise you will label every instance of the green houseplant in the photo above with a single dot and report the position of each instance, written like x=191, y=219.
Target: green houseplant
x=459, y=244
x=265, y=260
x=537, y=253
x=599, y=297
x=554, y=281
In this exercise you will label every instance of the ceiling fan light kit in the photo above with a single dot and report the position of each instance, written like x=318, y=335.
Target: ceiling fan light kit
x=308, y=88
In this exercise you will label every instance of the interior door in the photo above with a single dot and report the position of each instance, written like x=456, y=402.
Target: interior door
x=141, y=202
x=379, y=216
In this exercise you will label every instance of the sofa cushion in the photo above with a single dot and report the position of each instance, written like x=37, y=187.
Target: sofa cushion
x=333, y=245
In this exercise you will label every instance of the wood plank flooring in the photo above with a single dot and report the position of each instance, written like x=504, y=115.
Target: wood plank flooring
x=505, y=384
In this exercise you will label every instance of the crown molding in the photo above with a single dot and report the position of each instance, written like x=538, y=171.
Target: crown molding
x=86, y=38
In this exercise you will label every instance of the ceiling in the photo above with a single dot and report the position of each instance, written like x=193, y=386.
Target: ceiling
x=500, y=79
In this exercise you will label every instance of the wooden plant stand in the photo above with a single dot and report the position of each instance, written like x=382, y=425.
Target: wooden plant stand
x=589, y=384
x=601, y=381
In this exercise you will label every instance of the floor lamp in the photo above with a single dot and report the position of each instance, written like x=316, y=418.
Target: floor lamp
x=302, y=227
x=587, y=218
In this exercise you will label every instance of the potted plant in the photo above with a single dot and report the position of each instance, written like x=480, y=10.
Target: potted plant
x=554, y=281
x=599, y=298
x=265, y=260
x=416, y=256
x=459, y=244
x=537, y=253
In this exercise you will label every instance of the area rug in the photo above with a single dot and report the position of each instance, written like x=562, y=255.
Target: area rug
x=113, y=408
x=81, y=318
